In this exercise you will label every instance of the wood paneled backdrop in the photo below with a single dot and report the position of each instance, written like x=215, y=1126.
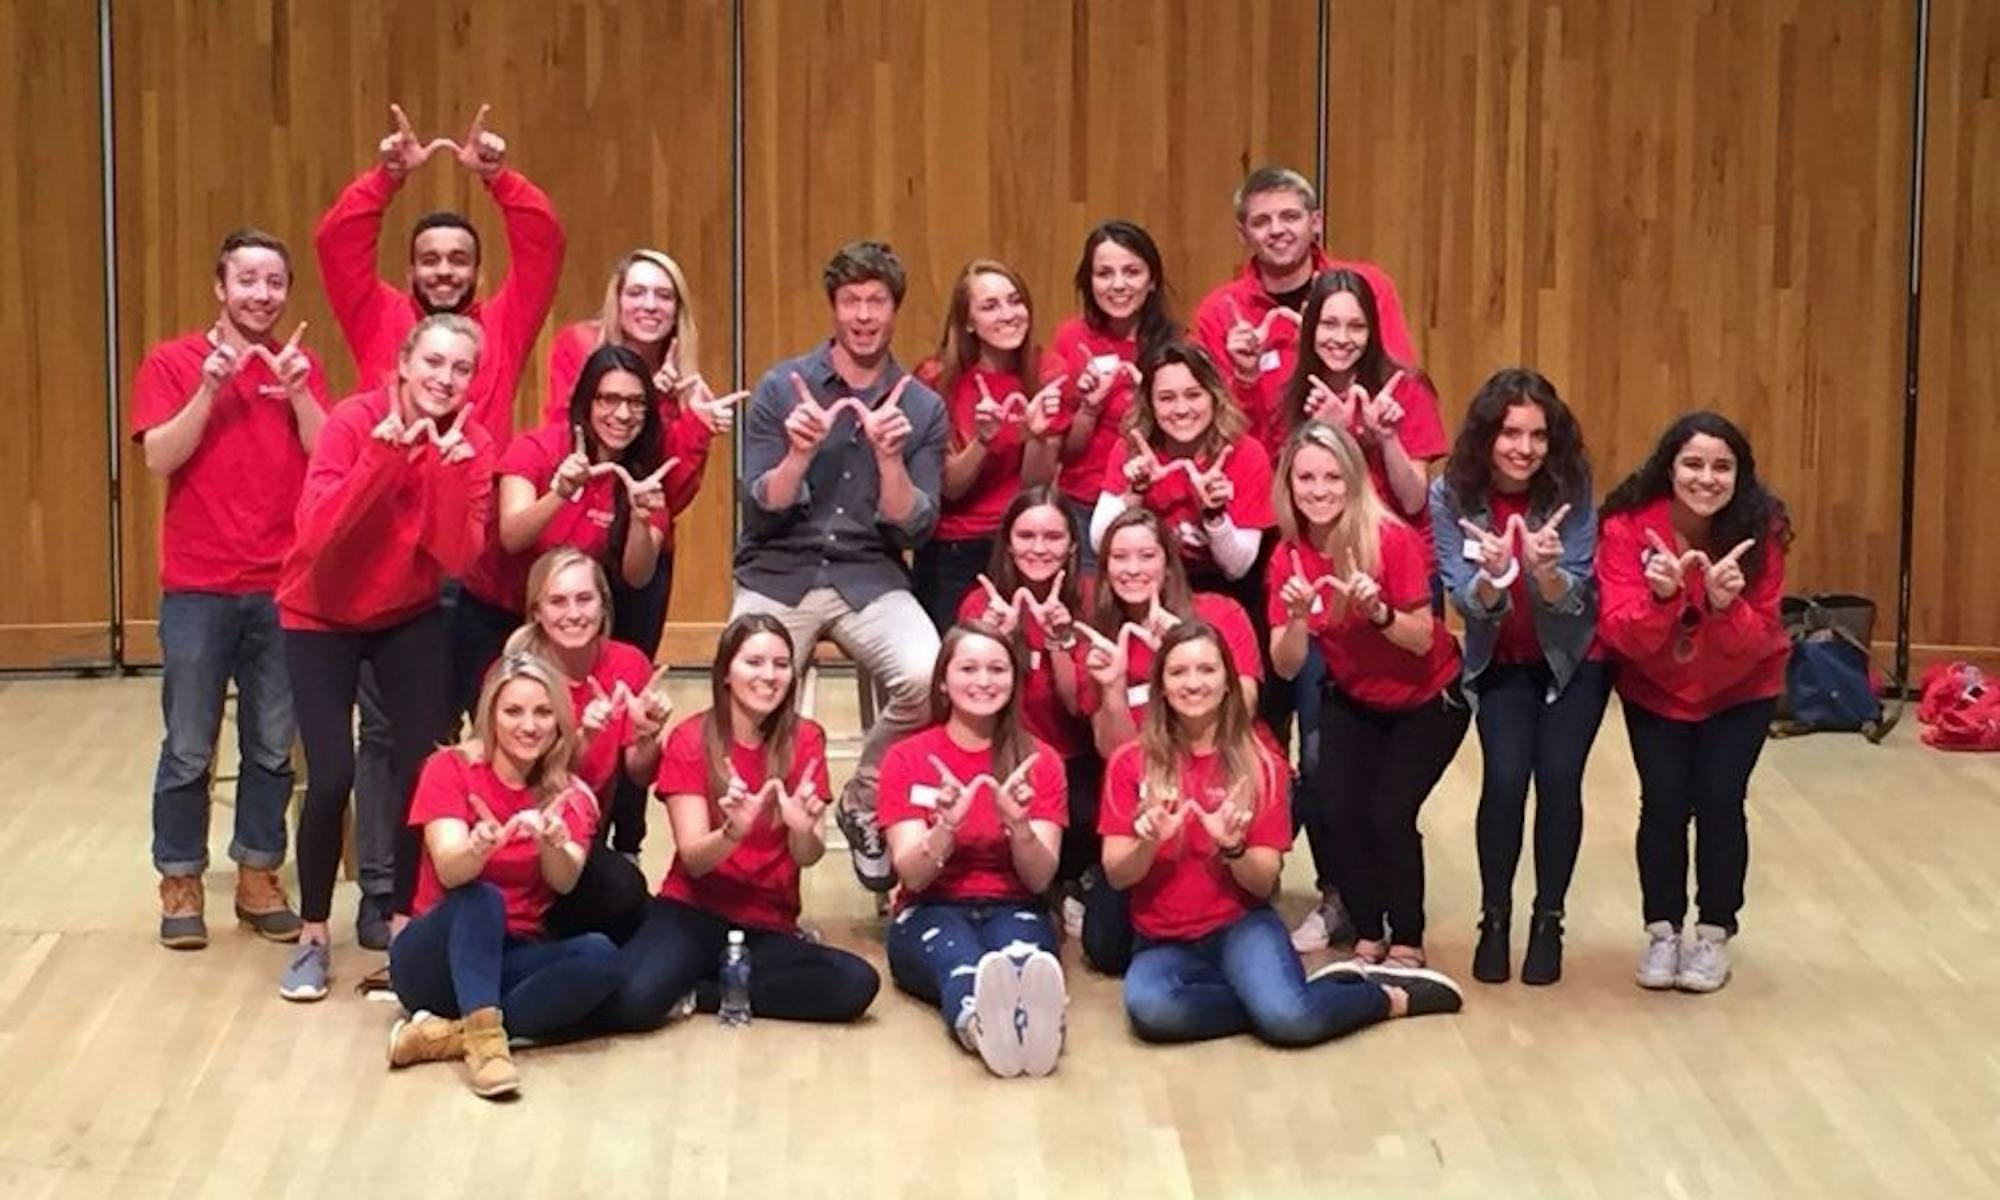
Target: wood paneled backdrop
x=1660, y=205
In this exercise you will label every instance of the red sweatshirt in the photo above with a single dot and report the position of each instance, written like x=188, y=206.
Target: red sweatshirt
x=1074, y=347
x=1724, y=658
x=376, y=315
x=1213, y=318
x=379, y=534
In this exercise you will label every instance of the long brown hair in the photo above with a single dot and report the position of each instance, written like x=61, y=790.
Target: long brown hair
x=780, y=727
x=1226, y=426
x=549, y=776
x=1011, y=741
x=1001, y=569
x=958, y=346
x=1163, y=742
x=1175, y=595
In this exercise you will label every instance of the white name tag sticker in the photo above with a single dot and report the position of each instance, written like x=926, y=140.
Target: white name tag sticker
x=1034, y=660
x=1318, y=605
x=1104, y=364
x=1138, y=694
x=923, y=795
x=1470, y=551
x=1267, y=362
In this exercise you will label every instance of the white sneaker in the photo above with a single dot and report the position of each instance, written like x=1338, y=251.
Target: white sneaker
x=996, y=999
x=1705, y=962
x=1662, y=958
x=1072, y=918
x=1314, y=932
x=1043, y=1001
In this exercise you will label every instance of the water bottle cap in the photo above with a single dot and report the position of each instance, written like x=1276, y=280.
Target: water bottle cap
x=736, y=937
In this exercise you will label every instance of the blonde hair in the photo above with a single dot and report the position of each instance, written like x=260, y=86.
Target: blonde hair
x=1358, y=528
x=464, y=327
x=1163, y=742
x=549, y=776
x=683, y=351
x=530, y=638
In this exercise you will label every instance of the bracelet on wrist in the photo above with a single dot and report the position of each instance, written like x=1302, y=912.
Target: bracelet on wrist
x=1385, y=618
x=1232, y=853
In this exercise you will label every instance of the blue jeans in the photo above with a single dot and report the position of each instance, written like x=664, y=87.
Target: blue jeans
x=934, y=949
x=1243, y=978
x=207, y=639
x=1522, y=737
x=458, y=958
x=1306, y=687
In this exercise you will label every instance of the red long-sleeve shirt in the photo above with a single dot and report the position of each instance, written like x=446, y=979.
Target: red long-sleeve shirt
x=378, y=533
x=1725, y=658
x=376, y=315
x=1260, y=399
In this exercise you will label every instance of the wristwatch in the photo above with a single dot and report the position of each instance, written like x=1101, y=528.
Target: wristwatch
x=1388, y=618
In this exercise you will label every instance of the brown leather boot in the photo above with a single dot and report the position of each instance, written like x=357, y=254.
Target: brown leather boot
x=487, y=1059
x=425, y=1037
x=181, y=923
x=261, y=905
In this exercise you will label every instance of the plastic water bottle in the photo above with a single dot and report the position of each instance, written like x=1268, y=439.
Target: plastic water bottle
x=735, y=1008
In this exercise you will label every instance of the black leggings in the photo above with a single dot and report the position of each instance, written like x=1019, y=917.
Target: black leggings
x=412, y=666
x=680, y=946
x=638, y=617
x=479, y=632
x=1697, y=770
x=1524, y=736
x=609, y=898
x=1376, y=769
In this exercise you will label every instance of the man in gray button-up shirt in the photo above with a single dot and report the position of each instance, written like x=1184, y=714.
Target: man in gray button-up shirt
x=842, y=455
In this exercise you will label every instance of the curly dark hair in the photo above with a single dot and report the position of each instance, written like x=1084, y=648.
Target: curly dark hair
x=1564, y=476
x=1754, y=511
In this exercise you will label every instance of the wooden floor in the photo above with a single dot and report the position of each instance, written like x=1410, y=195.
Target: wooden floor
x=1854, y=1055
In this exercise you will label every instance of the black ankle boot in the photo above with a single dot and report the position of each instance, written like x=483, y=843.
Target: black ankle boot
x=1489, y=958
x=1543, y=963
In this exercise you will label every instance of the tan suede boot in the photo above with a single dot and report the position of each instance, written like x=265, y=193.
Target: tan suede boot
x=261, y=905
x=487, y=1060
x=425, y=1037
x=181, y=923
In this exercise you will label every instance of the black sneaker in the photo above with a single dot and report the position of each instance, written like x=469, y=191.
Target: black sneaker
x=1490, y=957
x=866, y=846
x=371, y=922
x=1543, y=963
x=1430, y=992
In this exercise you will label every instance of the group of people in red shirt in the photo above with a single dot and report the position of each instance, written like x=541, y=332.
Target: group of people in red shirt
x=1099, y=583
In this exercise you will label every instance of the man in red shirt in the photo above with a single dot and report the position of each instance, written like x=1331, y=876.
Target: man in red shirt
x=375, y=315
x=227, y=414
x=1239, y=323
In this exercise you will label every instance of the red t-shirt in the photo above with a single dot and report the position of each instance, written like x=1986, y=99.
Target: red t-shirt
x=228, y=520
x=378, y=532
x=1189, y=892
x=1041, y=708
x=443, y=790
x=976, y=514
x=500, y=578
x=981, y=866
x=1174, y=498
x=1359, y=657
x=1074, y=347
x=1518, y=642
x=1229, y=620
x=757, y=886
x=1680, y=672
x=600, y=758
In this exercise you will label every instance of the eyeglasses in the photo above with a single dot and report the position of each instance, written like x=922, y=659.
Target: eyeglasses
x=607, y=402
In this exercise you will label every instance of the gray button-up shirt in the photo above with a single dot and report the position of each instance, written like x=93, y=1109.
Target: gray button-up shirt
x=834, y=535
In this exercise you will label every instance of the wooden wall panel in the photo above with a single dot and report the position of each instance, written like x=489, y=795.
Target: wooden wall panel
x=1956, y=572
x=234, y=112
x=1005, y=128
x=1661, y=206
x=56, y=540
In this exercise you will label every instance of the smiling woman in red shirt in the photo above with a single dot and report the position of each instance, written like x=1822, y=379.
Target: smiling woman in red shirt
x=1121, y=285
x=505, y=827
x=1002, y=438
x=1351, y=578
x=974, y=808
x=396, y=500
x=1195, y=824
x=745, y=785
x=1691, y=565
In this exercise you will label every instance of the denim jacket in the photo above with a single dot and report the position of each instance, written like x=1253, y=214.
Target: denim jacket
x=1565, y=628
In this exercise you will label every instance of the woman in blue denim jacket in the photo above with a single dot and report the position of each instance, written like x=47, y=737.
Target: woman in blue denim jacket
x=1516, y=535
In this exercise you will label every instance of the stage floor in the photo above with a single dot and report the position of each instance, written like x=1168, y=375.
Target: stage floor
x=1854, y=1054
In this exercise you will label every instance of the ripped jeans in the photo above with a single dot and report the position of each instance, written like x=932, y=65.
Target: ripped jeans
x=935, y=948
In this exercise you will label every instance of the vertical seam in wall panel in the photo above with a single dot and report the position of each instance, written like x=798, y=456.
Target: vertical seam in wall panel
x=1323, y=87
x=113, y=509
x=1913, y=312
x=738, y=315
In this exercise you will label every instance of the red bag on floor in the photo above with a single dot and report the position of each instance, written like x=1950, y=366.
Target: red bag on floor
x=1959, y=710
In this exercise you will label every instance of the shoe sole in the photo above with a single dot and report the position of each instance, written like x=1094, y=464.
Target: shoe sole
x=1654, y=984
x=1387, y=974
x=882, y=877
x=252, y=923
x=996, y=995
x=185, y=941
x=1345, y=966
x=1699, y=987
x=302, y=995
x=1044, y=1000
x=496, y=1091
